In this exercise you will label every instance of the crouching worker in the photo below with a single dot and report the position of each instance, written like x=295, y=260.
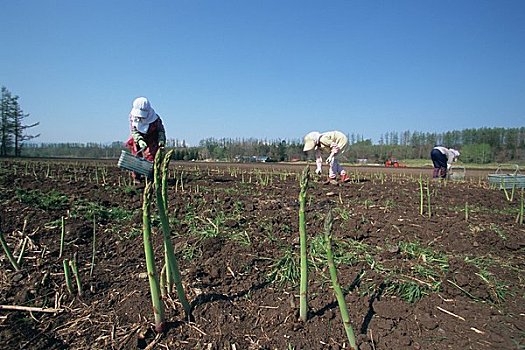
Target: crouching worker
x=332, y=142
x=442, y=158
x=147, y=131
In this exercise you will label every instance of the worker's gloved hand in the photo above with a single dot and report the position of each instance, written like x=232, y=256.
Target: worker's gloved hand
x=142, y=146
x=318, y=171
x=330, y=159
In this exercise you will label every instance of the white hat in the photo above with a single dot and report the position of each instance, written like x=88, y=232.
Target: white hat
x=455, y=152
x=142, y=114
x=310, y=140
x=141, y=107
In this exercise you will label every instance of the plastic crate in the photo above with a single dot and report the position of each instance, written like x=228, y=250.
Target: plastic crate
x=136, y=164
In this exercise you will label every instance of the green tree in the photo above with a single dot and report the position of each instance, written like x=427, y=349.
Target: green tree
x=480, y=153
x=6, y=111
x=19, y=129
x=12, y=129
x=281, y=151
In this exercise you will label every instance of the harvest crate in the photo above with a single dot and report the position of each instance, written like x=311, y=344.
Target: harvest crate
x=507, y=181
x=457, y=173
x=136, y=164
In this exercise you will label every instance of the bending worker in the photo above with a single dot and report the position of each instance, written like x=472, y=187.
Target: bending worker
x=442, y=158
x=332, y=142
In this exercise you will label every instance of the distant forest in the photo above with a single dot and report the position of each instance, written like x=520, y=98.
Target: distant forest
x=481, y=146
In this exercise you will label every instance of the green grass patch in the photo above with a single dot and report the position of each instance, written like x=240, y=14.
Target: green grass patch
x=52, y=200
x=285, y=269
x=91, y=210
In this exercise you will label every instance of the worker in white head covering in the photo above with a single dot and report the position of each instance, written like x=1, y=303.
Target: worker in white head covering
x=147, y=130
x=442, y=159
x=142, y=114
x=332, y=142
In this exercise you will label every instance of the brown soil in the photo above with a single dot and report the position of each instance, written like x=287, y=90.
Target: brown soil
x=411, y=281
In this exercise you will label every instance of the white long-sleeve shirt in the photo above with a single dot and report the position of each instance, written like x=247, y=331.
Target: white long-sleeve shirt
x=449, y=153
x=333, y=141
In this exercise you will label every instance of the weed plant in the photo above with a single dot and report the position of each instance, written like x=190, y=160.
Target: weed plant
x=497, y=288
x=285, y=270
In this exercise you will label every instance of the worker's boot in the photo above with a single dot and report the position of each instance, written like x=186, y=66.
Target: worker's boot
x=344, y=178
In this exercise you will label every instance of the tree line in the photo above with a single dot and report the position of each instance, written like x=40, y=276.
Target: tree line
x=12, y=128
x=478, y=145
x=481, y=146
x=97, y=150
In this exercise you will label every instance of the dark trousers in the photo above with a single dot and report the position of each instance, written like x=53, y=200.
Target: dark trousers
x=440, y=164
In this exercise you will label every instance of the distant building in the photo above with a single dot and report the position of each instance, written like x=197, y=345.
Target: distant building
x=245, y=159
x=253, y=159
x=263, y=159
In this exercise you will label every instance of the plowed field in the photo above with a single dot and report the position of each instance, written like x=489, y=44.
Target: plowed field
x=423, y=264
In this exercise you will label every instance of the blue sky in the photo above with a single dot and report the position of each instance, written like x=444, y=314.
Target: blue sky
x=271, y=69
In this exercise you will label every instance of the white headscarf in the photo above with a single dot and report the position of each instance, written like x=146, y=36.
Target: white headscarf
x=142, y=114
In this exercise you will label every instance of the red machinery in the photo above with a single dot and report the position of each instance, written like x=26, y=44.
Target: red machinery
x=393, y=163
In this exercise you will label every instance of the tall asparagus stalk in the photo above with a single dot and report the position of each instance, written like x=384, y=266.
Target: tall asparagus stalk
x=8, y=252
x=74, y=268
x=94, y=246
x=428, y=199
x=168, y=273
x=521, y=209
x=158, y=307
x=303, y=288
x=22, y=251
x=337, y=288
x=420, y=195
x=67, y=276
x=172, y=266
x=62, y=234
